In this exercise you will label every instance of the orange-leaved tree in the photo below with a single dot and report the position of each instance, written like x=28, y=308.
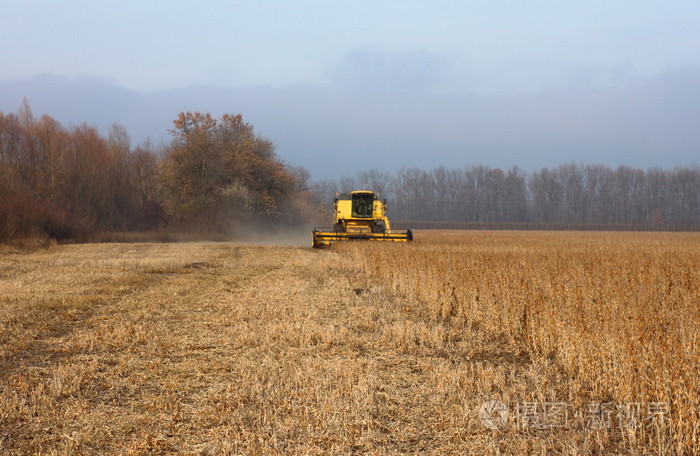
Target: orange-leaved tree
x=217, y=174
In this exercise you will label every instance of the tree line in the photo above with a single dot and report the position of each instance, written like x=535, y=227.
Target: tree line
x=567, y=194
x=216, y=175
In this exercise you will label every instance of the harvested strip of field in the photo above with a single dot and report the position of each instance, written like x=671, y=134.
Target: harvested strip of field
x=220, y=349
x=216, y=348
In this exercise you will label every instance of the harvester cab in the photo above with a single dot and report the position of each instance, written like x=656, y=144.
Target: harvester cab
x=359, y=215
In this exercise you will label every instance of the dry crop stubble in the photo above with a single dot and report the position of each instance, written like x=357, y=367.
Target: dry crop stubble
x=218, y=349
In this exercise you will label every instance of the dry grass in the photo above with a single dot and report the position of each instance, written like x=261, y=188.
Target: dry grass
x=219, y=348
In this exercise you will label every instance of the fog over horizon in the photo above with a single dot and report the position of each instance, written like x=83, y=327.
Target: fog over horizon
x=354, y=125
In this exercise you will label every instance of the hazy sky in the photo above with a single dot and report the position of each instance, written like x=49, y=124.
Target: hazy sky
x=473, y=45
x=433, y=54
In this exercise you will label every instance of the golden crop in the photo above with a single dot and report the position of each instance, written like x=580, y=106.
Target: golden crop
x=615, y=315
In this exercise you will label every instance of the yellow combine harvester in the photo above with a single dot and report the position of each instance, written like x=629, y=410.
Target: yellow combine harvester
x=359, y=215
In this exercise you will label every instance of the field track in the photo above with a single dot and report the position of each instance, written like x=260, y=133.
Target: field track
x=224, y=348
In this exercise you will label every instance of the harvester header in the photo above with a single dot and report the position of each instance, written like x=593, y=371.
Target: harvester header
x=359, y=215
